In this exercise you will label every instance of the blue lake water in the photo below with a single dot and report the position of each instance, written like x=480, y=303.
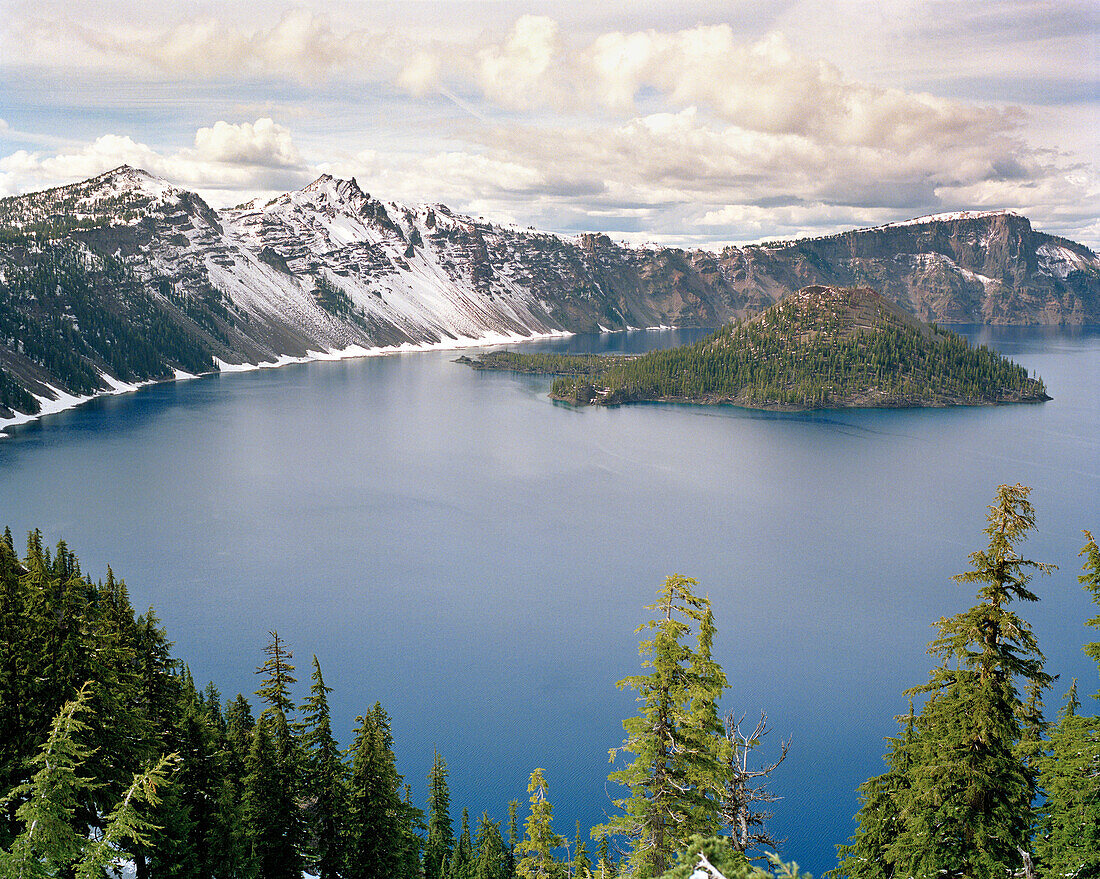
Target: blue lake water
x=476, y=557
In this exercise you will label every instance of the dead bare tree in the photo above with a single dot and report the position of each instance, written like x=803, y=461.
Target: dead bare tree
x=746, y=788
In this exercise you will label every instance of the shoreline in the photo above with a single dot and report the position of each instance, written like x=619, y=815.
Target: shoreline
x=795, y=409
x=64, y=401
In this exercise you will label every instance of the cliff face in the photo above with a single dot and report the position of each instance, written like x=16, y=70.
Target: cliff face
x=955, y=268
x=125, y=276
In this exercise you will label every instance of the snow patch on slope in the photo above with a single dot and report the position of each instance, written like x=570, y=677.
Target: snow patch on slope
x=948, y=217
x=1060, y=261
x=63, y=401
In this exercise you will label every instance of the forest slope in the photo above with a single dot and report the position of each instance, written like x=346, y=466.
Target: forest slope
x=125, y=278
x=823, y=347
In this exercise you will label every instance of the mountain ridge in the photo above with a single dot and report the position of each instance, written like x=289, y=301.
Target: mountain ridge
x=127, y=261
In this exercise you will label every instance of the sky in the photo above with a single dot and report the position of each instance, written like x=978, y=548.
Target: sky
x=692, y=123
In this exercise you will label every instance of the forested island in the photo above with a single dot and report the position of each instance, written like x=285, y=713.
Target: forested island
x=822, y=347
x=109, y=751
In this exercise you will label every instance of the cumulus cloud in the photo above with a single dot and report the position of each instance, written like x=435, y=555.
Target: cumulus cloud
x=420, y=74
x=263, y=143
x=700, y=133
x=767, y=86
x=515, y=72
x=245, y=157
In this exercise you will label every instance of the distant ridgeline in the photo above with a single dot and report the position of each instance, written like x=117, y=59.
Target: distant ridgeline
x=822, y=347
x=125, y=278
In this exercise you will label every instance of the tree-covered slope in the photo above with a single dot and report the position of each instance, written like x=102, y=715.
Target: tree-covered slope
x=819, y=348
x=331, y=267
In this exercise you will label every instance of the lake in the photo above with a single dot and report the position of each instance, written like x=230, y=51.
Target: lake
x=476, y=557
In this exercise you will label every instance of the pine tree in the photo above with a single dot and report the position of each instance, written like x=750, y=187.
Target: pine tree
x=537, y=848
x=581, y=866
x=411, y=844
x=513, y=838
x=270, y=811
x=460, y=864
x=441, y=839
x=677, y=776
x=868, y=854
x=605, y=867
x=52, y=841
x=1068, y=842
x=957, y=799
x=374, y=823
x=279, y=676
x=490, y=861
x=325, y=784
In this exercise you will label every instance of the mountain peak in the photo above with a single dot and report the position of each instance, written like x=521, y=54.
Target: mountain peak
x=126, y=178
x=335, y=188
x=845, y=309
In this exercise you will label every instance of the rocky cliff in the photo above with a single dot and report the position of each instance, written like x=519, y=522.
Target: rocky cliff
x=125, y=278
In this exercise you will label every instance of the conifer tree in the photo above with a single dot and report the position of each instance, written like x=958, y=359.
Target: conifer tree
x=374, y=824
x=51, y=841
x=1068, y=842
x=957, y=801
x=513, y=838
x=325, y=785
x=605, y=867
x=868, y=855
x=537, y=848
x=677, y=776
x=581, y=866
x=279, y=676
x=460, y=864
x=411, y=846
x=270, y=811
x=490, y=861
x=440, y=842
x=239, y=726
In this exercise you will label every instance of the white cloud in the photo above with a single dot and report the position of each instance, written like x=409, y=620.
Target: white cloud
x=420, y=74
x=514, y=73
x=767, y=86
x=246, y=157
x=798, y=111
x=263, y=143
x=301, y=44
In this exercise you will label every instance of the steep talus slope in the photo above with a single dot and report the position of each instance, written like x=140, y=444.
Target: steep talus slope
x=126, y=278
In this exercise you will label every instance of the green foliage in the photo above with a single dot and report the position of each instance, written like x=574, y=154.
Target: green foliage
x=441, y=839
x=51, y=843
x=270, y=810
x=377, y=818
x=491, y=861
x=726, y=859
x=957, y=799
x=461, y=863
x=677, y=776
x=1068, y=841
x=540, y=841
x=325, y=781
x=76, y=315
x=796, y=356
x=279, y=675
x=1090, y=579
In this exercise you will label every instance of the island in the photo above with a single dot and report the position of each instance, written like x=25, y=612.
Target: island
x=819, y=348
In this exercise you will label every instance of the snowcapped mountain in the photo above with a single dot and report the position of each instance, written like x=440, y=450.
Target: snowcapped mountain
x=125, y=278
